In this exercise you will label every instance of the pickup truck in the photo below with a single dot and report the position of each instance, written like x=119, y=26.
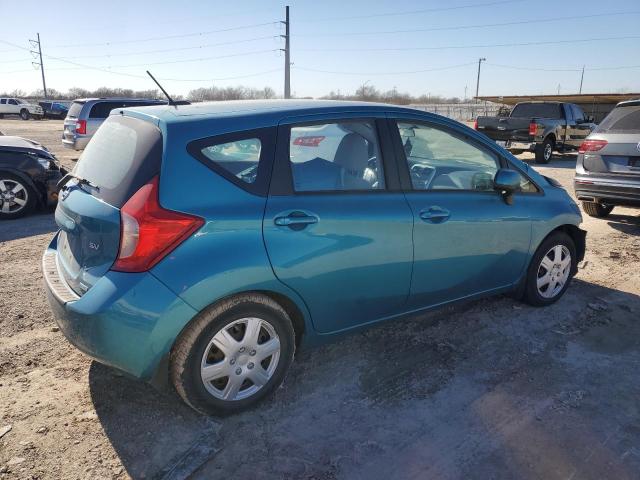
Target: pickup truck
x=17, y=106
x=539, y=127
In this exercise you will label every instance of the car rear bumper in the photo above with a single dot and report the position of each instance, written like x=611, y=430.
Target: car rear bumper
x=514, y=146
x=609, y=192
x=126, y=320
x=75, y=142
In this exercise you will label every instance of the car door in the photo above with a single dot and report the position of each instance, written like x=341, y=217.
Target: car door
x=467, y=239
x=14, y=107
x=580, y=127
x=337, y=227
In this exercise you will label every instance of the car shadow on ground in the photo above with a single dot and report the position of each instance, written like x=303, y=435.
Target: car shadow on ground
x=36, y=224
x=628, y=224
x=558, y=160
x=488, y=389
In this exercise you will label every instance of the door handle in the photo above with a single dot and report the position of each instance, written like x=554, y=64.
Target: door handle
x=435, y=214
x=296, y=219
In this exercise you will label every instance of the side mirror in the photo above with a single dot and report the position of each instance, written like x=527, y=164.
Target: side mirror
x=507, y=182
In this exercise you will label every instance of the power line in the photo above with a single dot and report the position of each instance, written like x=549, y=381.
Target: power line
x=464, y=27
x=166, y=50
x=413, y=12
x=166, y=37
x=450, y=47
x=405, y=72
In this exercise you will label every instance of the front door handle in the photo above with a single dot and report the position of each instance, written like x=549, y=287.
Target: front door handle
x=296, y=219
x=435, y=214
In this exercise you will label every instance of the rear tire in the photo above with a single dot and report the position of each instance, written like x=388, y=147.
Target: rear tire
x=217, y=345
x=24, y=114
x=544, y=150
x=597, y=210
x=551, y=270
x=17, y=198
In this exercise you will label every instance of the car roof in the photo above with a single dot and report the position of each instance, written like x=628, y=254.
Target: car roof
x=19, y=144
x=118, y=99
x=270, y=108
x=629, y=103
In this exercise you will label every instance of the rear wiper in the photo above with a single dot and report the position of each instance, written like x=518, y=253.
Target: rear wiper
x=80, y=181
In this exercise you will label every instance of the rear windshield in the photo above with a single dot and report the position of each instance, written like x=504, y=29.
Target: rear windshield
x=623, y=119
x=74, y=110
x=123, y=155
x=539, y=110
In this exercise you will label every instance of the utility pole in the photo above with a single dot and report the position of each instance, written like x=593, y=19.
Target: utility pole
x=287, y=55
x=480, y=60
x=41, y=64
x=581, y=79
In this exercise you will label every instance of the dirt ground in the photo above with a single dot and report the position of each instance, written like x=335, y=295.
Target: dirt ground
x=491, y=389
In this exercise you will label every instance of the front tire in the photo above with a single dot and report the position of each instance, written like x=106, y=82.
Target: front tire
x=24, y=114
x=17, y=198
x=233, y=355
x=551, y=270
x=597, y=210
x=544, y=150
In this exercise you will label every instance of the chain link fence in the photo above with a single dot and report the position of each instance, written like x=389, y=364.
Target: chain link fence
x=462, y=112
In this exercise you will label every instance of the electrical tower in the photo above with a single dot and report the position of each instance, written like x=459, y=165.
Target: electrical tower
x=35, y=43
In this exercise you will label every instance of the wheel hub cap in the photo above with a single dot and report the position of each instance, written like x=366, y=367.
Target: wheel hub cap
x=240, y=359
x=554, y=271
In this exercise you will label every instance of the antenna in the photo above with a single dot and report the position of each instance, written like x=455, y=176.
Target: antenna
x=171, y=102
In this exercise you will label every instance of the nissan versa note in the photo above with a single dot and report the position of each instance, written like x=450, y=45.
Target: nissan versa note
x=200, y=245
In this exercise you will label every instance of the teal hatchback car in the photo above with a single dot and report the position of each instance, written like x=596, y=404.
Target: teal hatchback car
x=200, y=245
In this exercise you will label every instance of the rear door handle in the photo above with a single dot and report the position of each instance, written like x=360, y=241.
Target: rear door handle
x=435, y=214
x=296, y=219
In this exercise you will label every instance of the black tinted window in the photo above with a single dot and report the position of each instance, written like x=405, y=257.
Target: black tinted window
x=578, y=114
x=102, y=109
x=75, y=109
x=624, y=119
x=123, y=155
x=540, y=110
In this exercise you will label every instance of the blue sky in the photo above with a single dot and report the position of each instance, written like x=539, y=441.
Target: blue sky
x=414, y=46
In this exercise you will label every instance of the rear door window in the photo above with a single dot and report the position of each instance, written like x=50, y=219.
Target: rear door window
x=123, y=155
x=623, y=119
x=341, y=156
x=539, y=110
x=102, y=109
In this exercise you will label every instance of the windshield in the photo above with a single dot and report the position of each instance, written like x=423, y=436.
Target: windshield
x=539, y=110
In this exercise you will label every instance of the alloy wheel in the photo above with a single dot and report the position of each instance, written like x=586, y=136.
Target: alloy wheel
x=548, y=150
x=13, y=196
x=240, y=359
x=553, y=271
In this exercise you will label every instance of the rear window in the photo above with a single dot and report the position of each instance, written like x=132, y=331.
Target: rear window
x=74, y=110
x=623, y=119
x=123, y=155
x=540, y=110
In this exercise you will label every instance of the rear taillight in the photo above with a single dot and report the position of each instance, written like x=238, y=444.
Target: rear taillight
x=81, y=127
x=475, y=124
x=591, y=146
x=149, y=232
x=533, y=129
x=308, y=141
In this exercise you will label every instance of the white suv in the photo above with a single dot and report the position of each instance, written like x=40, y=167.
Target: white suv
x=16, y=106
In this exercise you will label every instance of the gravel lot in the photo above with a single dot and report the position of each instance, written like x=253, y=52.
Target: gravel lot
x=490, y=389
